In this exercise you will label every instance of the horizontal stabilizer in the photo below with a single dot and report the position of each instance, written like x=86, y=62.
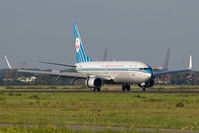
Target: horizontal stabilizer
x=57, y=64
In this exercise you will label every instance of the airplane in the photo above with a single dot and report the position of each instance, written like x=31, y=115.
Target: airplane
x=98, y=73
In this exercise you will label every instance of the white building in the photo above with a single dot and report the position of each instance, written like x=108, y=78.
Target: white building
x=27, y=79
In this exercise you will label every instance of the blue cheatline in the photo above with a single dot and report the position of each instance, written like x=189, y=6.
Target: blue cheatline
x=115, y=69
x=80, y=54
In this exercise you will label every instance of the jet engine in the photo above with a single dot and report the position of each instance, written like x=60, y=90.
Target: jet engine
x=148, y=84
x=94, y=82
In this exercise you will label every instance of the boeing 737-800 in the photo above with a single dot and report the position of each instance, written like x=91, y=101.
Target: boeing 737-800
x=97, y=73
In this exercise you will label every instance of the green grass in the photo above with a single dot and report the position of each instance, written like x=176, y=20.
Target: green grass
x=175, y=111
x=51, y=129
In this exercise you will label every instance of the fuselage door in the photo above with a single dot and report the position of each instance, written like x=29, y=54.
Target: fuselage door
x=132, y=72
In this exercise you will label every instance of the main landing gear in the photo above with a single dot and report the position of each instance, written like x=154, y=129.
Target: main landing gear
x=96, y=89
x=126, y=87
x=143, y=89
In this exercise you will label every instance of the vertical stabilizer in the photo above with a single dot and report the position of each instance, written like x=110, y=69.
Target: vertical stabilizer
x=80, y=54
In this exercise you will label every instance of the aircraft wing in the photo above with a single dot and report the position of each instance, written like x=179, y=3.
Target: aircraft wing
x=59, y=74
x=172, y=72
x=156, y=74
x=75, y=75
x=54, y=73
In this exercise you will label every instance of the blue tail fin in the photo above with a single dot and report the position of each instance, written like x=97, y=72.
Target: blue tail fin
x=80, y=54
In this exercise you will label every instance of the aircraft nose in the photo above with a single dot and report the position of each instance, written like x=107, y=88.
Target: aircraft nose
x=149, y=75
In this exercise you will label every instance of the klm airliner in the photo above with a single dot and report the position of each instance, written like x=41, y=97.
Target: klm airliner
x=98, y=73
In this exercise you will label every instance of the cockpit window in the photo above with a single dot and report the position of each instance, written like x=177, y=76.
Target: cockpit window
x=145, y=68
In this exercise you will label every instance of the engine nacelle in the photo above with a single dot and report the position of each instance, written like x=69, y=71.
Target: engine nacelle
x=148, y=84
x=94, y=82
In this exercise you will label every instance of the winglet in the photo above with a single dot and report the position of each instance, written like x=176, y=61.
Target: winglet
x=8, y=63
x=190, y=62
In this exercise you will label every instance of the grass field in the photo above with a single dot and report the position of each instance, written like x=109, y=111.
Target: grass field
x=169, y=111
x=113, y=109
x=50, y=129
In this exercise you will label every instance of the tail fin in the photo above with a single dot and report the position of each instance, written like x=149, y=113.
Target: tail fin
x=80, y=54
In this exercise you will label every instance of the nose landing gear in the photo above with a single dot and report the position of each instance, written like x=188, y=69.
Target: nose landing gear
x=144, y=89
x=96, y=89
x=148, y=84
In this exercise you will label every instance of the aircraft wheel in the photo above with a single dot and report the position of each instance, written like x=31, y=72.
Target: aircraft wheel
x=143, y=89
x=123, y=87
x=98, y=89
x=128, y=88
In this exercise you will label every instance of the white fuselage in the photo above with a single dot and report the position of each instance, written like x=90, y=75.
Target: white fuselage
x=118, y=71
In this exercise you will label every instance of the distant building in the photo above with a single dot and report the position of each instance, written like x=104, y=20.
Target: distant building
x=163, y=79
x=8, y=79
x=27, y=79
